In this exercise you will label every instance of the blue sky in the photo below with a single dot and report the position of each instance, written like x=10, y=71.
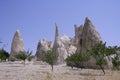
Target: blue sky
x=36, y=19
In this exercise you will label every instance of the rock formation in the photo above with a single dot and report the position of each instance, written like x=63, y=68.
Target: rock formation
x=78, y=36
x=42, y=48
x=17, y=44
x=86, y=36
x=59, y=48
x=62, y=47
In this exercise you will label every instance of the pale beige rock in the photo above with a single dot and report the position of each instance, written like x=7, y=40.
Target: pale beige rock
x=86, y=36
x=90, y=35
x=78, y=36
x=62, y=47
x=42, y=48
x=17, y=44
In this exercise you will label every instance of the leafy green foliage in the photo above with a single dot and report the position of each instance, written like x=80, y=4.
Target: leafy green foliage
x=12, y=59
x=112, y=50
x=76, y=59
x=98, y=51
x=3, y=55
x=21, y=56
x=50, y=57
x=116, y=62
x=24, y=55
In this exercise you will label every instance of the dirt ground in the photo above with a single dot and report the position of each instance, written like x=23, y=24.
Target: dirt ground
x=17, y=71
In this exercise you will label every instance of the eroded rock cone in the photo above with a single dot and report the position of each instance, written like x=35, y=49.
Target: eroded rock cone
x=86, y=36
x=17, y=44
x=42, y=48
x=90, y=35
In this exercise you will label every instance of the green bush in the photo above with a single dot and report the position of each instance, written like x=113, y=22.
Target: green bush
x=98, y=51
x=23, y=56
x=50, y=57
x=77, y=60
x=3, y=55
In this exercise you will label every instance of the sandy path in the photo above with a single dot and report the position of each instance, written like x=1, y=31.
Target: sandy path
x=17, y=71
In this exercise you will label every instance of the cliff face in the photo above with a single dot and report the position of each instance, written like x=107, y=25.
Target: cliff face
x=17, y=44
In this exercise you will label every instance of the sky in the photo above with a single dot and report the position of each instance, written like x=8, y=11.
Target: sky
x=36, y=19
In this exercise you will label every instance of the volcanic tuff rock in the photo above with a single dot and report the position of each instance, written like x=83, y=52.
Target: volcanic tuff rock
x=62, y=47
x=42, y=48
x=86, y=36
x=17, y=44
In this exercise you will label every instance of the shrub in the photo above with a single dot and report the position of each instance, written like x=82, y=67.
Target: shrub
x=77, y=59
x=98, y=51
x=50, y=57
x=23, y=56
x=3, y=55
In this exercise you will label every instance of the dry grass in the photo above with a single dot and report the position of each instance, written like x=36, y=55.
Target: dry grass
x=61, y=72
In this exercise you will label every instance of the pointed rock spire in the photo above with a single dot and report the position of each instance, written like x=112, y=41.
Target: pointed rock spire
x=56, y=31
x=17, y=44
x=56, y=37
x=88, y=23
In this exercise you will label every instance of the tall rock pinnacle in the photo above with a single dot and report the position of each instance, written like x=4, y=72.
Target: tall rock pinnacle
x=62, y=47
x=17, y=44
x=56, y=31
x=56, y=37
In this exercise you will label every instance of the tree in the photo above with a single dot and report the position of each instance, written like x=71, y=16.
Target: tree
x=50, y=57
x=98, y=51
x=22, y=55
x=3, y=55
x=116, y=62
x=77, y=59
x=116, y=59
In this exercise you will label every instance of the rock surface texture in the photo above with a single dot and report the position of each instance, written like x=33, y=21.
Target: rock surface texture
x=42, y=48
x=86, y=36
x=62, y=47
x=17, y=44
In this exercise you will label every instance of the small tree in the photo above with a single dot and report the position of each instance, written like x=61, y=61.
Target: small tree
x=3, y=55
x=98, y=51
x=50, y=57
x=23, y=56
x=116, y=62
x=76, y=59
x=116, y=59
